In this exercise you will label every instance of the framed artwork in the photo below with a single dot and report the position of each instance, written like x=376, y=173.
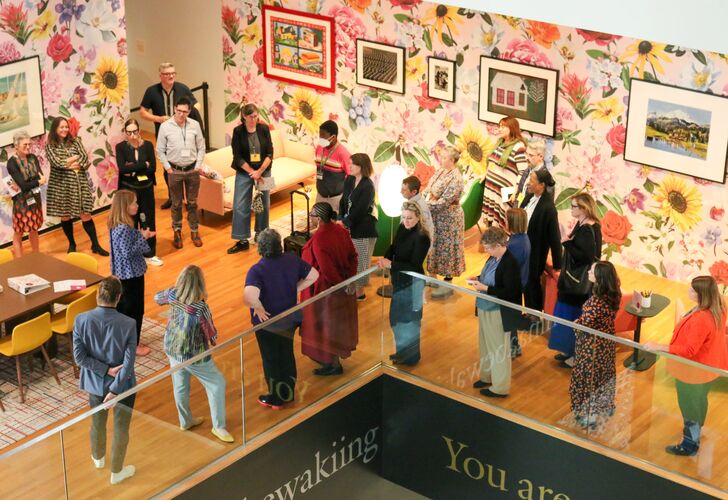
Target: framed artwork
x=676, y=129
x=441, y=79
x=525, y=92
x=380, y=66
x=299, y=48
x=21, y=99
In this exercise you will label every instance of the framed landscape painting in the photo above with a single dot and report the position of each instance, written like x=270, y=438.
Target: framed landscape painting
x=380, y=66
x=525, y=92
x=21, y=99
x=299, y=48
x=676, y=129
x=441, y=79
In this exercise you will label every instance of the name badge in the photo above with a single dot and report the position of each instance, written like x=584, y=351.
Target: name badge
x=255, y=157
x=186, y=154
x=520, y=198
x=30, y=200
x=142, y=177
x=319, y=173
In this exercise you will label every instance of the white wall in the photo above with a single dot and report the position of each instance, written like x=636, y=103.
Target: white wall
x=696, y=24
x=190, y=39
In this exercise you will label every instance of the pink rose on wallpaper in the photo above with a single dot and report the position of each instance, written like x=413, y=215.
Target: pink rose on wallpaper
x=564, y=117
x=616, y=137
x=108, y=174
x=51, y=90
x=349, y=27
x=74, y=126
x=405, y=4
x=8, y=52
x=615, y=228
x=719, y=271
x=598, y=37
x=527, y=52
x=259, y=58
x=60, y=48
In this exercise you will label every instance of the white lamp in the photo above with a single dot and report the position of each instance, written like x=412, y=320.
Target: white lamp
x=391, y=199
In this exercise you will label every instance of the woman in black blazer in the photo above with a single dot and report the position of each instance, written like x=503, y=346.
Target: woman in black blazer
x=496, y=322
x=356, y=213
x=252, y=161
x=137, y=165
x=543, y=233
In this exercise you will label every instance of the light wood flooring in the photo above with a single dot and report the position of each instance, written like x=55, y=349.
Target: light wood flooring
x=647, y=419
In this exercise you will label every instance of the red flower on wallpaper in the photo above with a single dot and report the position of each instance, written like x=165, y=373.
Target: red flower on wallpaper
x=598, y=37
x=616, y=137
x=544, y=34
x=425, y=101
x=615, y=228
x=719, y=271
x=60, y=48
x=230, y=23
x=405, y=4
x=527, y=52
x=424, y=173
x=359, y=5
x=259, y=58
x=74, y=126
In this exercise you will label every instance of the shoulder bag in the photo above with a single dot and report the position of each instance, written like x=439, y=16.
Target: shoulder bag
x=574, y=279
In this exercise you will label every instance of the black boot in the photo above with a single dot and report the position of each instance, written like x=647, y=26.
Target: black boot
x=67, y=226
x=90, y=228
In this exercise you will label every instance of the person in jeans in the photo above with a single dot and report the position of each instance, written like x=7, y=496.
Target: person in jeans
x=104, y=347
x=190, y=331
x=252, y=161
x=271, y=287
x=181, y=149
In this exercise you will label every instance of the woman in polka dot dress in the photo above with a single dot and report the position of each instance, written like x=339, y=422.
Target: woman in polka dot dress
x=128, y=246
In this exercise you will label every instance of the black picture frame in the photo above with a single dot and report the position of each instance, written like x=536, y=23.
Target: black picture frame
x=441, y=78
x=380, y=66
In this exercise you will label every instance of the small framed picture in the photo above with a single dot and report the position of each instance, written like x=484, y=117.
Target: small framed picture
x=441, y=79
x=380, y=66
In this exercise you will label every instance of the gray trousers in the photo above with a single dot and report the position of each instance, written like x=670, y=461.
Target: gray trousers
x=122, y=419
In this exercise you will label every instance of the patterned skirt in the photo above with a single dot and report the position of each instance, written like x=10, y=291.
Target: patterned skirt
x=27, y=218
x=496, y=179
x=69, y=193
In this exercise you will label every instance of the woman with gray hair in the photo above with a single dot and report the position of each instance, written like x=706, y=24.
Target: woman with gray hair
x=499, y=278
x=271, y=287
x=190, y=331
x=25, y=171
x=443, y=198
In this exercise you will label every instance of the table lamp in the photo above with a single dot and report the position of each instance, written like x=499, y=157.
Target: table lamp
x=389, y=191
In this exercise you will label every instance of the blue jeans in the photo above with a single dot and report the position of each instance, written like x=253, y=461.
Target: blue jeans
x=214, y=384
x=242, y=202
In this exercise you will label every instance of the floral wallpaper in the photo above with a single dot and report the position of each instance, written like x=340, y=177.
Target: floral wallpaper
x=652, y=220
x=84, y=77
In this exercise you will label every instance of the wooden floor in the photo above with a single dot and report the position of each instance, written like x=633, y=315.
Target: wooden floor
x=647, y=419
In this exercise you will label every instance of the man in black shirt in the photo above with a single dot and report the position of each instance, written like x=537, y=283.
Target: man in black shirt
x=158, y=104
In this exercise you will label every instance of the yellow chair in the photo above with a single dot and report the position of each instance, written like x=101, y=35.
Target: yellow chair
x=26, y=338
x=62, y=323
x=87, y=263
x=5, y=255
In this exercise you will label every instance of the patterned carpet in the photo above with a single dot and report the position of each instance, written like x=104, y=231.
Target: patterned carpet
x=283, y=224
x=45, y=401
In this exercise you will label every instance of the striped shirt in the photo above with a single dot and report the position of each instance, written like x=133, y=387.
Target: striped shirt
x=332, y=167
x=190, y=329
x=497, y=178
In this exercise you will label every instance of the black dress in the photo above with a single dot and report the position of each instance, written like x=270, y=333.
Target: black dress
x=27, y=207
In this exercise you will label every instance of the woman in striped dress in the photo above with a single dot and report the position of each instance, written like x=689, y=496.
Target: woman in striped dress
x=505, y=166
x=69, y=192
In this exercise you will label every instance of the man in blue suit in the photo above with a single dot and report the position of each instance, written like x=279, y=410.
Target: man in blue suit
x=104, y=347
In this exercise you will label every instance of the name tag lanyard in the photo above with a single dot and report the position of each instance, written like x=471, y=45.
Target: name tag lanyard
x=324, y=161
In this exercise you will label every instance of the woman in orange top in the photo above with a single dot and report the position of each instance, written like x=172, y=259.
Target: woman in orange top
x=699, y=336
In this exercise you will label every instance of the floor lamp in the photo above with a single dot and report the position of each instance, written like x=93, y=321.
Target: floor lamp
x=391, y=199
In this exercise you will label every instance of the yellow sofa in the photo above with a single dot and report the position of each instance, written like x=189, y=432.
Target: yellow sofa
x=293, y=163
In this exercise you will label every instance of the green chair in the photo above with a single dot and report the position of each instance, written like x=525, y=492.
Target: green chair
x=386, y=229
x=472, y=204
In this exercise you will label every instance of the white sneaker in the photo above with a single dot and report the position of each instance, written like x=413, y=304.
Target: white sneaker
x=155, y=261
x=99, y=464
x=125, y=473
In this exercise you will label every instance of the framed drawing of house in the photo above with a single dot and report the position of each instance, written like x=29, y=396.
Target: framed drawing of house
x=525, y=92
x=676, y=129
x=21, y=99
x=299, y=48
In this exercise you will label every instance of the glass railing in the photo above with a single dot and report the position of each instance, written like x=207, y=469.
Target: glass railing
x=632, y=415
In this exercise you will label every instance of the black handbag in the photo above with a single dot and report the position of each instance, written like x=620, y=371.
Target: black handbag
x=574, y=279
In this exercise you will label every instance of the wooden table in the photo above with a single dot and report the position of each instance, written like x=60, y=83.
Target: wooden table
x=16, y=305
x=641, y=360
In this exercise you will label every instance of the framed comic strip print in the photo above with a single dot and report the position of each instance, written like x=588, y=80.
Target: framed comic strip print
x=299, y=48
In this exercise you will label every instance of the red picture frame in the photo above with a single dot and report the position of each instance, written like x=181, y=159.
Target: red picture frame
x=299, y=48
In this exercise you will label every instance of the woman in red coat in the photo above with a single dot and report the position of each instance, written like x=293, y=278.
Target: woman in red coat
x=330, y=328
x=699, y=336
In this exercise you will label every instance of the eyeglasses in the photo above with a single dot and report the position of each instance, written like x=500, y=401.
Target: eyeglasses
x=181, y=111
x=132, y=132
x=169, y=73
